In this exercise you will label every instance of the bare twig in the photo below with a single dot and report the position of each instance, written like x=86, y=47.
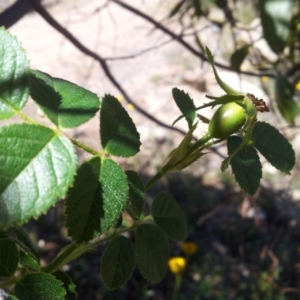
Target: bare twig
x=179, y=39
x=48, y=18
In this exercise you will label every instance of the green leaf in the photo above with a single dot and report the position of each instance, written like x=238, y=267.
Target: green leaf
x=37, y=167
x=275, y=19
x=136, y=195
x=14, y=83
x=245, y=165
x=117, y=262
x=169, y=216
x=65, y=103
x=118, y=133
x=185, y=104
x=20, y=236
x=68, y=285
x=238, y=57
x=96, y=200
x=284, y=98
x=9, y=258
x=274, y=147
x=152, y=250
x=28, y=262
x=40, y=286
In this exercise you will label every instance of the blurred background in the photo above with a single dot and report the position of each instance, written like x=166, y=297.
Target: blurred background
x=246, y=247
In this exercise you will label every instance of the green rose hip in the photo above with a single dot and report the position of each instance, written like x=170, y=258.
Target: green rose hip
x=228, y=119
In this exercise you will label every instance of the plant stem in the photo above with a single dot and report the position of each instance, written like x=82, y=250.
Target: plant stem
x=59, y=261
x=154, y=179
x=85, y=147
x=178, y=280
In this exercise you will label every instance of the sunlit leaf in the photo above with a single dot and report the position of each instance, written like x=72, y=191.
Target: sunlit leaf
x=96, y=199
x=37, y=167
x=65, y=103
x=275, y=19
x=14, y=75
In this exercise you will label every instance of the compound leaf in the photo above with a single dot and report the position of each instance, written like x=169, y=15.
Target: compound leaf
x=37, y=166
x=96, y=199
x=152, y=251
x=14, y=83
x=245, y=165
x=274, y=146
x=118, y=133
x=117, y=262
x=65, y=103
x=40, y=286
x=169, y=216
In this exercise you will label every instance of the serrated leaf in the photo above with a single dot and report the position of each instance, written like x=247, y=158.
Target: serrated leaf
x=274, y=147
x=238, y=57
x=65, y=103
x=117, y=263
x=136, y=194
x=152, y=250
x=40, y=286
x=68, y=285
x=285, y=101
x=14, y=75
x=275, y=19
x=20, y=236
x=118, y=133
x=97, y=198
x=245, y=165
x=185, y=104
x=9, y=258
x=37, y=167
x=169, y=216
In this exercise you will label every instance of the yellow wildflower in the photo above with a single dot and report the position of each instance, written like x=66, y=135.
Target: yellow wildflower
x=177, y=264
x=130, y=106
x=298, y=86
x=189, y=248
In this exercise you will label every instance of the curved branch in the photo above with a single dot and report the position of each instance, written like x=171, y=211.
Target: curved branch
x=48, y=18
x=181, y=41
x=14, y=13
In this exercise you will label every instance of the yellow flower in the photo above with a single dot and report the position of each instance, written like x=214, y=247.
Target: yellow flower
x=298, y=86
x=177, y=264
x=130, y=106
x=120, y=98
x=189, y=248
